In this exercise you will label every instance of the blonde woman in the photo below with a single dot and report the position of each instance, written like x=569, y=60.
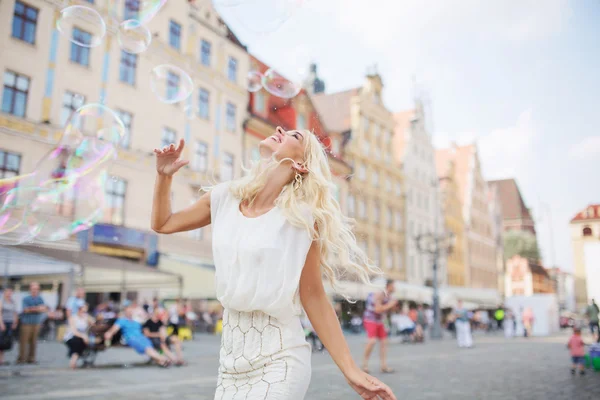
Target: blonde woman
x=276, y=232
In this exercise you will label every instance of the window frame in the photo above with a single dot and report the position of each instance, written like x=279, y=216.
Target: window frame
x=128, y=68
x=127, y=119
x=25, y=20
x=116, y=193
x=228, y=160
x=198, y=155
x=14, y=91
x=232, y=69
x=69, y=108
x=80, y=54
x=167, y=131
x=205, y=45
x=175, y=34
x=230, y=117
x=201, y=103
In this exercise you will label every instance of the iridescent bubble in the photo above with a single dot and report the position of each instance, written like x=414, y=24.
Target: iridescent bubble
x=15, y=227
x=133, y=37
x=170, y=84
x=58, y=214
x=190, y=112
x=270, y=16
x=81, y=25
x=93, y=120
x=254, y=81
x=279, y=86
x=148, y=10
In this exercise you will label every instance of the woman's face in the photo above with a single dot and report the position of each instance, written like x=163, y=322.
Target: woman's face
x=7, y=293
x=83, y=310
x=284, y=144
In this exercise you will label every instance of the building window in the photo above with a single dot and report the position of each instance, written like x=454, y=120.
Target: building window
x=24, y=22
x=174, y=35
x=203, y=103
x=127, y=67
x=71, y=102
x=227, y=167
x=387, y=136
x=367, y=148
x=10, y=164
x=116, y=189
x=232, y=69
x=587, y=231
x=351, y=205
x=205, y=52
x=168, y=136
x=376, y=213
x=366, y=125
x=362, y=209
x=201, y=156
x=390, y=259
x=387, y=156
x=398, y=221
x=230, y=117
x=132, y=7
x=172, y=85
x=375, y=178
x=362, y=172
x=127, y=119
x=15, y=94
x=300, y=122
x=376, y=131
x=377, y=255
x=389, y=218
x=80, y=54
x=398, y=189
x=259, y=102
x=388, y=185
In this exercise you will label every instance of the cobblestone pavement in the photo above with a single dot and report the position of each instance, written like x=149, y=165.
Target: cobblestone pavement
x=496, y=368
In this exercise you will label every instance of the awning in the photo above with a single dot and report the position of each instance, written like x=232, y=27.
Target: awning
x=17, y=262
x=477, y=298
x=198, y=276
x=100, y=273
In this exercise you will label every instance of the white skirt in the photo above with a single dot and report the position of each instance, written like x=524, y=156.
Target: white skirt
x=261, y=358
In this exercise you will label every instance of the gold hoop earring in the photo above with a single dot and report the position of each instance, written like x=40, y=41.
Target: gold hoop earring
x=297, y=180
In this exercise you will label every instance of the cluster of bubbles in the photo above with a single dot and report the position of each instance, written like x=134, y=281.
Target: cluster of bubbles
x=65, y=192
x=273, y=83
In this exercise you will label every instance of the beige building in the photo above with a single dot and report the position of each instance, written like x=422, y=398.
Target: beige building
x=362, y=129
x=415, y=156
x=481, y=248
x=46, y=78
x=585, y=239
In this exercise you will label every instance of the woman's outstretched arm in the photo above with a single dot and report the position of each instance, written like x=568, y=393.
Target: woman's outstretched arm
x=324, y=320
x=168, y=162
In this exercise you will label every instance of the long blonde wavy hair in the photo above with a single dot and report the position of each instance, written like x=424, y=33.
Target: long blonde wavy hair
x=341, y=257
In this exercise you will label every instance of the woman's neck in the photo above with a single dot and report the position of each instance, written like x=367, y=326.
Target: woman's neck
x=276, y=181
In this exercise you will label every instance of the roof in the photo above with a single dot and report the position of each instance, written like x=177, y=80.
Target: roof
x=401, y=124
x=591, y=212
x=334, y=109
x=513, y=205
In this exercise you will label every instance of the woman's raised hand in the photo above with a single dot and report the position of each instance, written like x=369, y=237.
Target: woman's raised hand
x=168, y=160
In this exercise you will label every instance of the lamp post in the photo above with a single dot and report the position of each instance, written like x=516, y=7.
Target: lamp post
x=435, y=245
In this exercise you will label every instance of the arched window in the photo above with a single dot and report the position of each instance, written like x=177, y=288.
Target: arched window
x=587, y=231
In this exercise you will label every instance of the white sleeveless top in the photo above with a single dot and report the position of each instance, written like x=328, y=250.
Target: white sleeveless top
x=258, y=261
x=81, y=324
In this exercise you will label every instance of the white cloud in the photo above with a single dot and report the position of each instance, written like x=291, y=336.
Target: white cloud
x=507, y=152
x=586, y=149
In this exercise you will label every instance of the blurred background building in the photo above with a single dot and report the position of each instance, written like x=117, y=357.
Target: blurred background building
x=585, y=239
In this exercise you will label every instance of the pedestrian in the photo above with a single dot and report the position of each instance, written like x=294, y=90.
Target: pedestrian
x=33, y=313
x=8, y=321
x=499, y=316
x=377, y=307
x=463, y=326
x=577, y=349
x=276, y=233
x=528, y=319
x=74, y=302
x=592, y=312
x=77, y=337
x=509, y=324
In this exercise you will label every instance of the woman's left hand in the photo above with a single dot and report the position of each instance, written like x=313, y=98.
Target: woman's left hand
x=368, y=387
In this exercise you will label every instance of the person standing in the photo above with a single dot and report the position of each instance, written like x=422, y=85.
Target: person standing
x=8, y=320
x=33, y=312
x=576, y=347
x=509, y=324
x=499, y=317
x=592, y=312
x=376, y=308
x=463, y=326
x=528, y=319
x=74, y=302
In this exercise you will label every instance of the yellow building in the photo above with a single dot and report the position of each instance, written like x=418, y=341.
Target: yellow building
x=453, y=218
x=585, y=239
x=46, y=78
x=359, y=118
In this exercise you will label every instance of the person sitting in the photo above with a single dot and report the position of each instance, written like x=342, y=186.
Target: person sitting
x=155, y=330
x=77, y=338
x=134, y=338
x=405, y=326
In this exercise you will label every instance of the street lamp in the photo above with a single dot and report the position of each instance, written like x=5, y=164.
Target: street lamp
x=435, y=245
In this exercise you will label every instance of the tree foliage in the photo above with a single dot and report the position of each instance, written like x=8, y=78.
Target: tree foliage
x=521, y=243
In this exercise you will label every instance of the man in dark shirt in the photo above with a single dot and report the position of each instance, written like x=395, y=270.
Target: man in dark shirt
x=33, y=312
x=156, y=331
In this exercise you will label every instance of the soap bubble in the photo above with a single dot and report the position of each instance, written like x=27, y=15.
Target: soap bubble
x=266, y=15
x=279, y=86
x=254, y=81
x=133, y=37
x=81, y=25
x=148, y=10
x=170, y=84
x=93, y=120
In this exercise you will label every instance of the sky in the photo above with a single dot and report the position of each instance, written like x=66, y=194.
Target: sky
x=518, y=77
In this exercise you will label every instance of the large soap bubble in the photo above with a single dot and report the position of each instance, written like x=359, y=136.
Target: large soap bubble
x=133, y=37
x=81, y=25
x=170, y=84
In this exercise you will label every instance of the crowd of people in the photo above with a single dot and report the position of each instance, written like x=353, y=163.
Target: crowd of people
x=148, y=328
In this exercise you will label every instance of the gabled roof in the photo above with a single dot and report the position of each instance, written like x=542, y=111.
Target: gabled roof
x=334, y=109
x=591, y=212
x=513, y=205
x=401, y=124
